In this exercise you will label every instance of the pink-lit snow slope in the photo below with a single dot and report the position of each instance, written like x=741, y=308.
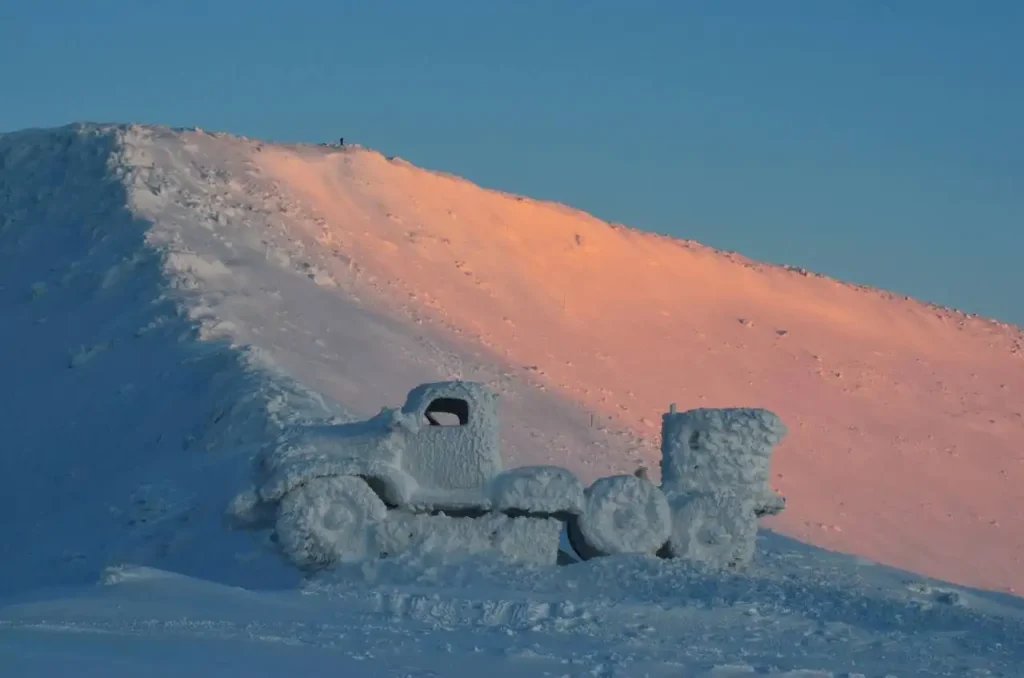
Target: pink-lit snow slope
x=172, y=299
x=906, y=432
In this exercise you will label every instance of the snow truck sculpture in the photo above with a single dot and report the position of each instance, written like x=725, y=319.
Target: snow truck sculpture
x=429, y=476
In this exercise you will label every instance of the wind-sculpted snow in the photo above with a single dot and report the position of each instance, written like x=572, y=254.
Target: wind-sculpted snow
x=121, y=428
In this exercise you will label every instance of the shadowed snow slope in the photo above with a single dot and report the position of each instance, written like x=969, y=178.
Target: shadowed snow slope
x=165, y=293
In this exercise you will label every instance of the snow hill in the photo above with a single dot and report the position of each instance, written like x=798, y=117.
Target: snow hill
x=172, y=300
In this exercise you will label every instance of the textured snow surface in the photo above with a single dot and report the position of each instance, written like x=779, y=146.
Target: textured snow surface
x=717, y=529
x=708, y=448
x=540, y=489
x=715, y=471
x=798, y=613
x=127, y=415
x=441, y=538
x=454, y=457
x=328, y=521
x=624, y=514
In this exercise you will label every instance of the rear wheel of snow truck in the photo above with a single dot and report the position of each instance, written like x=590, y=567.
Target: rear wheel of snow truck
x=326, y=521
x=622, y=514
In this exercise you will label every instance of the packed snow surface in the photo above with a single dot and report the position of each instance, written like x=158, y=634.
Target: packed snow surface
x=799, y=613
x=177, y=305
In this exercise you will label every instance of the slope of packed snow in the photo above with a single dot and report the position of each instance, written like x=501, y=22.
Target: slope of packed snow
x=906, y=420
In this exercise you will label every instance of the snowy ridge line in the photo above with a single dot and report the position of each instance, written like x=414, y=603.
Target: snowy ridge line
x=995, y=325
x=113, y=325
x=288, y=404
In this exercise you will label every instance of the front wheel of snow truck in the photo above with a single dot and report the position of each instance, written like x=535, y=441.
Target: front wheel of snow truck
x=326, y=521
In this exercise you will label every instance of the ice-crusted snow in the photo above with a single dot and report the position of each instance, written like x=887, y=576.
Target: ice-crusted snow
x=459, y=457
x=716, y=528
x=442, y=539
x=328, y=521
x=623, y=514
x=413, y=463
x=166, y=323
x=715, y=470
x=325, y=491
x=718, y=447
x=538, y=489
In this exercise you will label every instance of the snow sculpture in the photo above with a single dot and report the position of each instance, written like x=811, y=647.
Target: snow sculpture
x=715, y=472
x=425, y=478
x=324, y=521
x=428, y=479
x=622, y=514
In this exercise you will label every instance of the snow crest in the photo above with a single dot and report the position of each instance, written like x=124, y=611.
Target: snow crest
x=134, y=411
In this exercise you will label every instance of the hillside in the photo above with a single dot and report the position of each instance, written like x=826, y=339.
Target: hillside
x=147, y=256
x=906, y=420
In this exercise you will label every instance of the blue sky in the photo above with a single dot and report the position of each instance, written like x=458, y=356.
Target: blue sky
x=878, y=142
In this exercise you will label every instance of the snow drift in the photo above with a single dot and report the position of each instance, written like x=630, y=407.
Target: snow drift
x=125, y=414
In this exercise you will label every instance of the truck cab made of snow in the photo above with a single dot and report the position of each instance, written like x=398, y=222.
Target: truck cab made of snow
x=434, y=460
x=453, y=442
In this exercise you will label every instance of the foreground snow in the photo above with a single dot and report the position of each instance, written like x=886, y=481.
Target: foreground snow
x=799, y=612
